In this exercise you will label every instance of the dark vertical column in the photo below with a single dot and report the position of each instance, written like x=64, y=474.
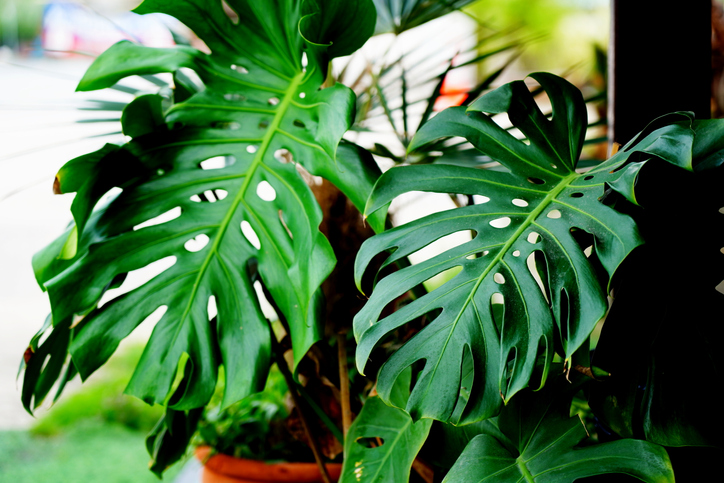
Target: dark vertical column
x=659, y=62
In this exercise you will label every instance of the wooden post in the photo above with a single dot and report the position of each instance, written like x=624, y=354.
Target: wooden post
x=659, y=62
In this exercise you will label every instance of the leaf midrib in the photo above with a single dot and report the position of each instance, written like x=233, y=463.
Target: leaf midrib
x=224, y=225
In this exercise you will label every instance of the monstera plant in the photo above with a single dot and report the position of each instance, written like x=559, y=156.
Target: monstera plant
x=471, y=379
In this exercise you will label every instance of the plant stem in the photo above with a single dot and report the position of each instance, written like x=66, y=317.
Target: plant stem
x=424, y=470
x=324, y=417
x=284, y=368
x=344, y=383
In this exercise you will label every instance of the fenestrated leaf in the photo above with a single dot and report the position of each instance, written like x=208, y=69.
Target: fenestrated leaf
x=91, y=176
x=222, y=158
x=541, y=208
x=383, y=441
x=538, y=445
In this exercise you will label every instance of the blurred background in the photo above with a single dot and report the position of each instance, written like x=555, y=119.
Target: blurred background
x=94, y=433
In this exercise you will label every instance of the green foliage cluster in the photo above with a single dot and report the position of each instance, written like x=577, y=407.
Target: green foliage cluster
x=214, y=185
x=254, y=427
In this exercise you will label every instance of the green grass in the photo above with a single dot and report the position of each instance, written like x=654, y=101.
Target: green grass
x=89, y=452
x=95, y=434
x=101, y=399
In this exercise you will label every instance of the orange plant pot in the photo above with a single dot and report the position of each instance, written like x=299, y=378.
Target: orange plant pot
x=221, y=468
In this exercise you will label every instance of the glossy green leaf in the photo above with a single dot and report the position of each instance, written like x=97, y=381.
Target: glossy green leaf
x=340, y=27
x=650, y=393
x=540, y=209
x=383, y=441
x=708, y=150
x=144, y=115
x=447, y=442
x=91, y=176
x=396, y=16
x=222, y=167
x=539, y=444
x=167, y=442
x=43, y=363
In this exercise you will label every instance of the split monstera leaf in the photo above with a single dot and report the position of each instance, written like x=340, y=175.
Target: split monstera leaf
x=534, y=277
x=534, y=439
x=219, y=164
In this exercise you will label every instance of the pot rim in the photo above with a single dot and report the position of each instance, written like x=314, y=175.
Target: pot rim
x=257, y=470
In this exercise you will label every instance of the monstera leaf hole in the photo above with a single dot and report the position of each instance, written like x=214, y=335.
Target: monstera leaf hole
x=193, y=77
x=171, y=214
x=211, y=308
x=284, y=224
x=230, y=12
x=197, y=243
x=268, y=309
x=250, y=234
x=433, y=203
x=500, y=222
x=554, y=214
x=218, y=162
x=265, y=191
x=536, y=264
x=138, y=278
x=374, y=442
x=283, y=155
x=209, y=196
x=445, y=243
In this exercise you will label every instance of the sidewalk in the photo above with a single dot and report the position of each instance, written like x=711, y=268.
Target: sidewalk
x=36, y=110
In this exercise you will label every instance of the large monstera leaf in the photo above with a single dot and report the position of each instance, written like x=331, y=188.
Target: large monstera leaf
x=224, y=162
x=397, y=440
x=534, y=276
x=534, y=440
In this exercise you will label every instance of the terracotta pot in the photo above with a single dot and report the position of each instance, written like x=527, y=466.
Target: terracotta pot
x=221, y=468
